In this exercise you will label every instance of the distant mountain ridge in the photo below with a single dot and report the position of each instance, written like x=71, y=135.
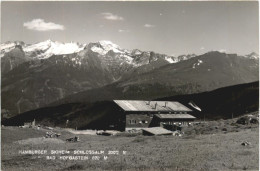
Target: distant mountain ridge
x=199, y=74
x=116, y=59
x=46, y=49
x=34, y=75
x=109, y=53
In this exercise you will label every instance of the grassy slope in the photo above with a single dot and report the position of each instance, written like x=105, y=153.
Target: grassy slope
x=79, y=115
x=220, y=151
x=221, y=103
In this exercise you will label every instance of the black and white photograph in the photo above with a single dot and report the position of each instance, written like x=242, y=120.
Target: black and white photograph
x=129, y=85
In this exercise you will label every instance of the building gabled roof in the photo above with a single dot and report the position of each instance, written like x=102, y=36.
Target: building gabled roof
x=175, y=116
x=151, y=106
x=157, y=131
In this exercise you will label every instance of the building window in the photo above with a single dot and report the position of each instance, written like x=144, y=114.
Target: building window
x=132, y=121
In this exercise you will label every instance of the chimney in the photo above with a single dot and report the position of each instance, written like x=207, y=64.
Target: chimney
x=155, y=105
x=148, y=103
x=165, y=104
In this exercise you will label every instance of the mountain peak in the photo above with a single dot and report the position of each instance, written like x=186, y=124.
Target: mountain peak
x=108, y=45
x=48, y=41
x=253, y=55
x=48, y=48
x=104, y=46
x=106, y=42
x=215, y=52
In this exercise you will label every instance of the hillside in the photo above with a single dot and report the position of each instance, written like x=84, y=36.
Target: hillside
x=219, y=151
x=199, y=74
x=217, y=104
x=223, y=102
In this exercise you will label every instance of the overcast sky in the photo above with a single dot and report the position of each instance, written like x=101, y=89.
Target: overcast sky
x=172, y=28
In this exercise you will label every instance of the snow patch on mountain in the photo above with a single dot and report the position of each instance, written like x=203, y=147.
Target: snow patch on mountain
x=171, y=59
x=127, y=58
x=118, y=55
x=49, y=48
x=185, y=57
x=98, y=50
x=252, y=55
x=197, y=63
x=7, y=47
x=136, y=52
x=67, y=48
x=106, y=46
x=38, y=46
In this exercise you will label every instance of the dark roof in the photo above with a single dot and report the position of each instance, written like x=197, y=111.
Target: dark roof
x=140, y=105
x=175, y=116
x=157, y=131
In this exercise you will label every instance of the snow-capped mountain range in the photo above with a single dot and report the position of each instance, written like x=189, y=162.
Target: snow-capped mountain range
x=34, y=75
x=111, y=57
x=48, y=48
x=43, y=50
x=136, y=57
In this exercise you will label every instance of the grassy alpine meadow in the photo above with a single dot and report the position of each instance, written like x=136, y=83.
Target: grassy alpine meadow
x=201, y=148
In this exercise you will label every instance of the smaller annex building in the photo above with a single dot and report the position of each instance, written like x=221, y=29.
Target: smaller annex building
x=144, y=114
